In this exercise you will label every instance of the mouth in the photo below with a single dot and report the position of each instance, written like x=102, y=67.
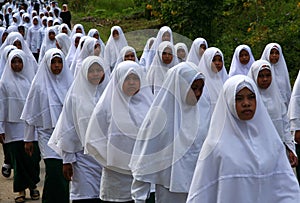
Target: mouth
x=247, y=112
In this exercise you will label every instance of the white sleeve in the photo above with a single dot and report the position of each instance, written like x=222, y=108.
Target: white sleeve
x=68, y=157
x=140, y=191
x=29, y=133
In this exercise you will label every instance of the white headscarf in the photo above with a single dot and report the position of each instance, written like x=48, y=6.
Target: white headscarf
x=170, y=138
x=144, y=56
x=47, y=43
x=194, y=54
x=14, y=36
x=274, y=103
x=294, y=110
x=4, y=56
x=236, y=67
x=64, y=25
x=157, y=42
x=123, y=52
x=74, y=30
x=2, y=31
x=81, y=99
x=14, y=87
x=88, y=49
x=158, y=69
x=113, y=47
x=77, y=53
x=281, y=71
x=91, y=33
x=64, y=42
x=116, y=119
x=213, y=80
x=242, y=160
x=182, y=46
x=72, y=49
x=47, y=93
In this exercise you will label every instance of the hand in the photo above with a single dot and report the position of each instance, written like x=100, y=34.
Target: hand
x=297, y=136
x=68, y=171
x=2, y=138
x=292, y=158
x=29, y=148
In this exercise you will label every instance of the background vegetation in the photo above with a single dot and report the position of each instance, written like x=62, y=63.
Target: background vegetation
x=223, y=23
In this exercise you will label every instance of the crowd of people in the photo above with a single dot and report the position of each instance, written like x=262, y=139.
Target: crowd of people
x=169, y=126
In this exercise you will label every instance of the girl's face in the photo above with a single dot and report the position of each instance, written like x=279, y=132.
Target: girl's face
x=131, y=84
x=18, y=44
x=217, y=63
x=245, y=104
x=56, y=65
x=129, y=56
x=77, y=39
x=78, y=30
x=264, y=78
x=181, y=53
x=51, y=36
x=44, y=22
x=95, y=74
x=274, y=56
x=35, y=21
x=4, y=36
x=195, y=92
x=244, y=57
x=15, y=19
x=115, y=34
x=17, y=64
x=166, y=36
x=96, y=35
x=50, y=23
x=64, y=30
x=202, y=49
x=167, y=55
x=97, y=49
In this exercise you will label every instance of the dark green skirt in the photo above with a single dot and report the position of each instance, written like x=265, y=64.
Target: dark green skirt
x=26, y=168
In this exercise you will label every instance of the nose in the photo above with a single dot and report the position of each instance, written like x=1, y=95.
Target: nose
x=246, y=103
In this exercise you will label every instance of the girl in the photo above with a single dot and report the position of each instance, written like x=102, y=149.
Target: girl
x=94, y=33
x=241, y=61
x=213, y=68
x=63, y=43
x=127, y=53
x=273, y=54
x=262, y=74
x=113, y=127
x=14, y=86
x=41, y=111
x=68, y=137
x=48, y=42
x=114, y=44
x=33, y=37
x=72, y=50
x=164, y=59
x=197, y=49
x=167, y=146
x=242, y=158
x=146, y=51
x=181, y=51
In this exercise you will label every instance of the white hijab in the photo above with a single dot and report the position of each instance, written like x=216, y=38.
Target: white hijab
x=64, y=42
x=158, y=69
x=47, y=93
x=274, y=103
x=88, y=49
x=236, y=68
x=157, y=42
x=146, y=51
x=242, y=160
x=281, y=71
x=4, y=56
x=294, y=110
x=72, y=49
x=91, y=33
x=194, y=54
x=213, y=80
x=14, y=87
x=113, y=47
x=123, y=52
x=47, y=43
x=170, y=137
x=116, y=120
x=14, y=36
x=80, y=101
x=74, y=30
x=182, y=46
